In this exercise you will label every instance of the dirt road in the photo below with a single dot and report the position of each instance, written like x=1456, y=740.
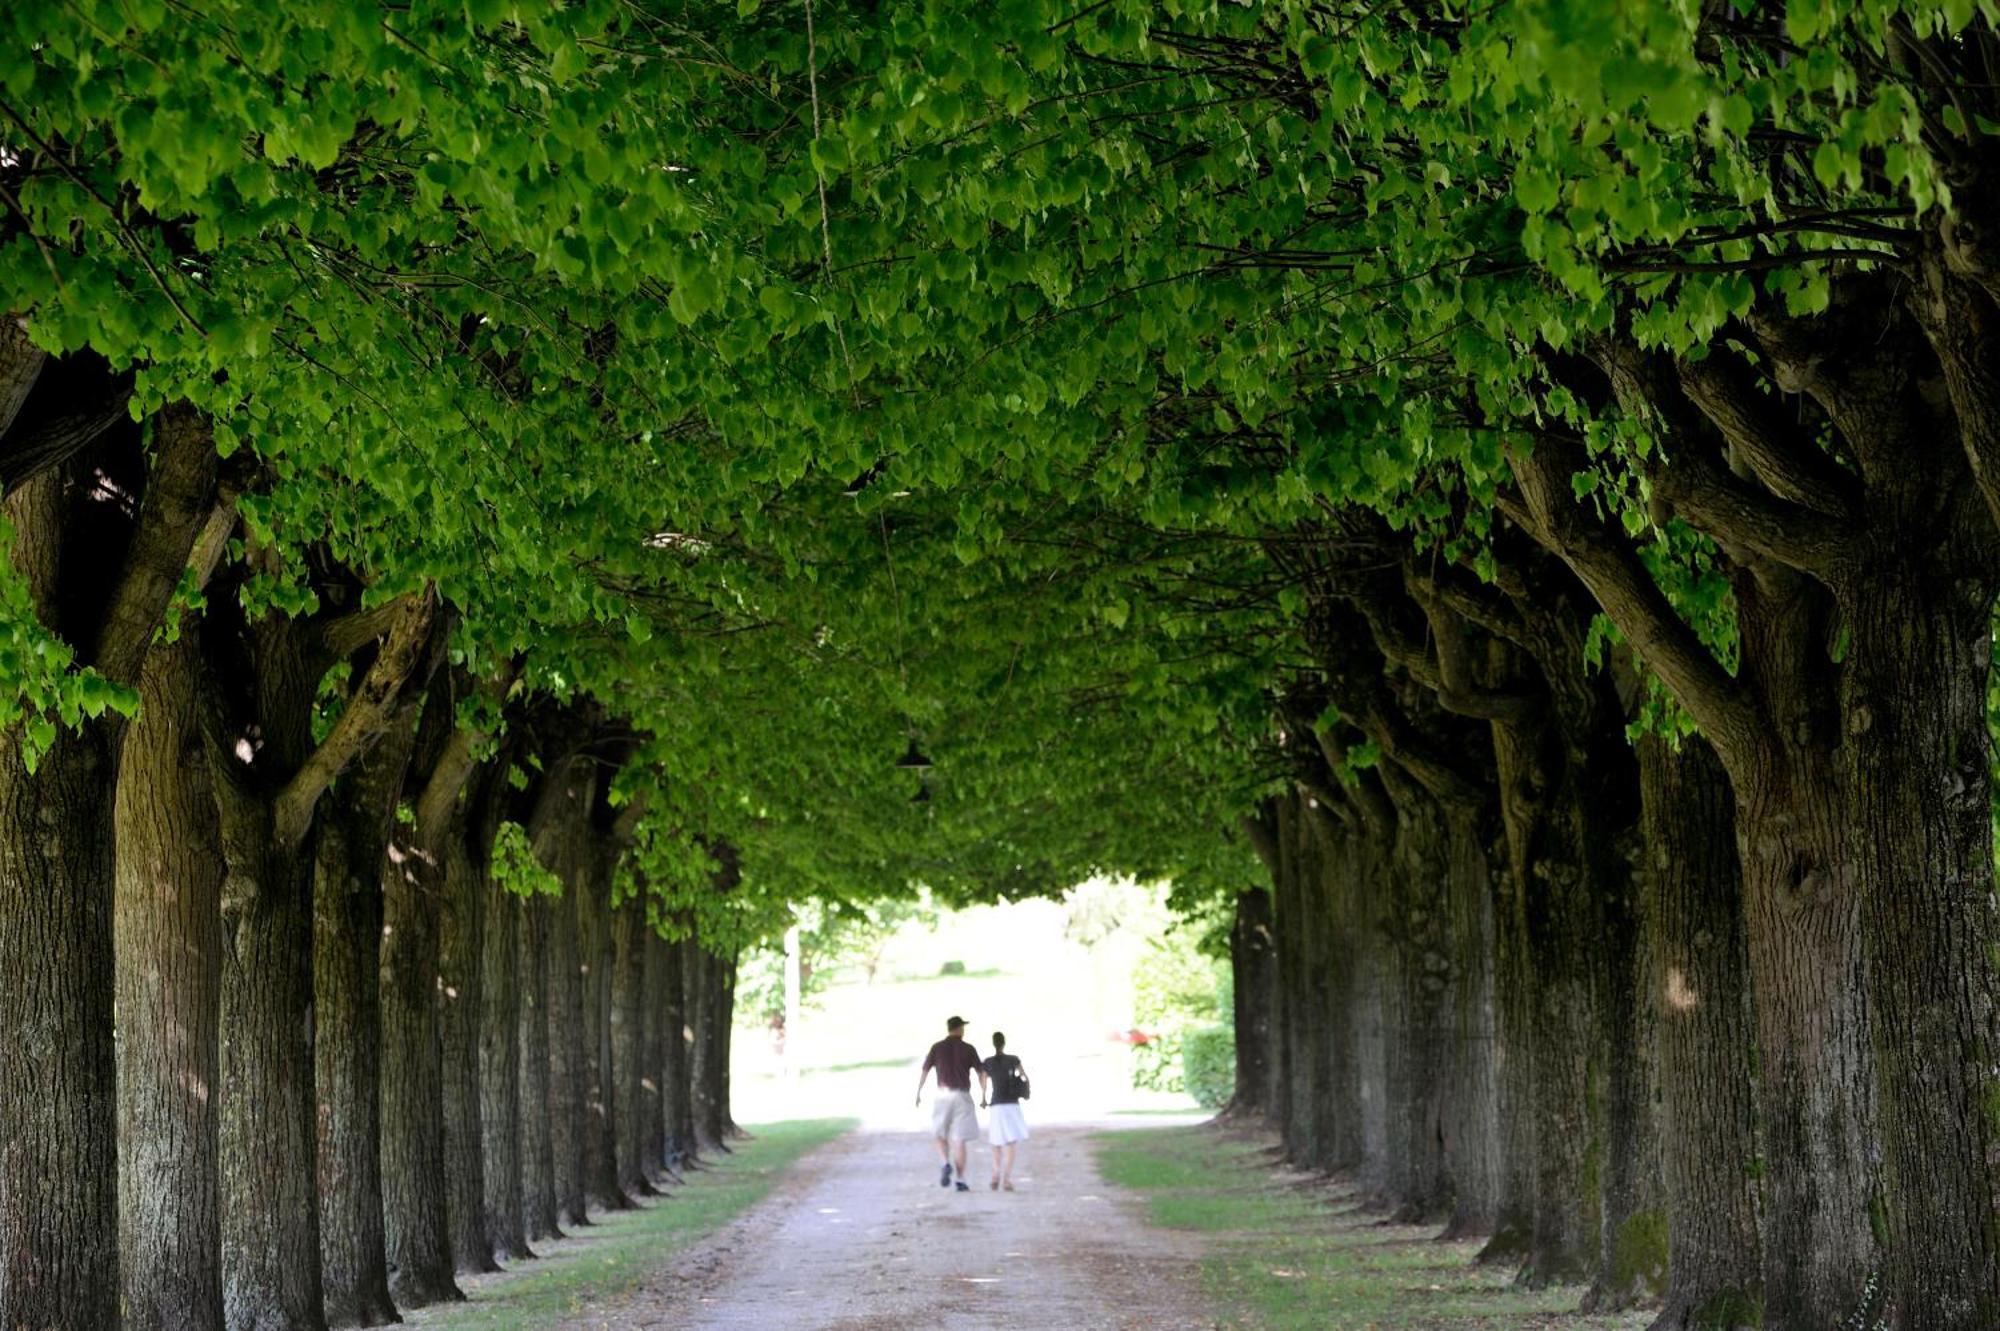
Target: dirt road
x=862, y=1238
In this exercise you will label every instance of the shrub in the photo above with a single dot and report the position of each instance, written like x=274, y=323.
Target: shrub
x=1208, y=1061
x=952, y=968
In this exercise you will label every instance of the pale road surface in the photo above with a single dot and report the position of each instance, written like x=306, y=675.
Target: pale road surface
x=860, y=1237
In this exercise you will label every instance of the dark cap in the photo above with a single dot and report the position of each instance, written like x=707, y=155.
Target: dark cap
x=954, y=1023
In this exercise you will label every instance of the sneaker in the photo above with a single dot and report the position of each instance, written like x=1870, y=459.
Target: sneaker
x=944, y=1176
x=963, y=1186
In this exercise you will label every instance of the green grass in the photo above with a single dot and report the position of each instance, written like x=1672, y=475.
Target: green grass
x=624, y=1249
x=1285, y=1253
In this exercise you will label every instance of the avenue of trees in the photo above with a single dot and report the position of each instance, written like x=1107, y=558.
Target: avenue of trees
x=502, y=498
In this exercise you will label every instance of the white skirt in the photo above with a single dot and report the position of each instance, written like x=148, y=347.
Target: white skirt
x=1005, y=1125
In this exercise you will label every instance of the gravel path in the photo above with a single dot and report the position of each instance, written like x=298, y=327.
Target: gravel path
x=861, y=1238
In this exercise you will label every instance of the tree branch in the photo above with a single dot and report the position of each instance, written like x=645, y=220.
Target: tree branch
x=363, y=720
x=1610, y=569
x=179, y=500
x=1793, y=467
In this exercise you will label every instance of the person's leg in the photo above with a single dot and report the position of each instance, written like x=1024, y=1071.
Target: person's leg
x=958, y=1156
x=1007, y=1168
x=996, y=1167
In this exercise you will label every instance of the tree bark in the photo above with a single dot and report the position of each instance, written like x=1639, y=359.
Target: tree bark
x=349, y=1051
x=597, y=957
x=417, y=1182
x=505, y=1004
x=1471, y=1078
x=476, y=972
x=538, y=1166
x=58, y=1154
x=1702, y=976
x=655, y=1153
x=1250, y=960
x=260, y=681
x=1423, y=957
x=677, y=1053
x=705, y=1001
x=169, y=944
x=102, y=581
x=634, y=1080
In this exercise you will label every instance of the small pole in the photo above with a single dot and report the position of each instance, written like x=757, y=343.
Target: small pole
x=791, y=1003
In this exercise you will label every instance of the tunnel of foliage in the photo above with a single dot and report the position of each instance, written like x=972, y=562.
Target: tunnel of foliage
x=1504, y=499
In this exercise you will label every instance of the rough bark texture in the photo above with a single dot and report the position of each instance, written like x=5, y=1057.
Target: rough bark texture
x=58, y=1156
x=348, y=1049
x=676, y=1054
x=103, y=582
x=635, y=1084
x=1420, y=942
x=1918, y=762
x=1472, y=1107
x=169, y=943
x=504, y=1006
x=475, y=972
x=563, y=850
x=596, y=953
x=1702, y=973
x=655, y=1157
x=417, y=1184
x=538, y=1167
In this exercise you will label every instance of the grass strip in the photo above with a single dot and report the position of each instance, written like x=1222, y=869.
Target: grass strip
x=608, y=1259
x=1289, y=1252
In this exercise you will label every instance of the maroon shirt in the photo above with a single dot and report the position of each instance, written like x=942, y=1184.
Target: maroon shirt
x=955, y=1061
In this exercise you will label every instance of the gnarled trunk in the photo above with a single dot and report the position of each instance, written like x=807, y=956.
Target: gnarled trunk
x=597, y=958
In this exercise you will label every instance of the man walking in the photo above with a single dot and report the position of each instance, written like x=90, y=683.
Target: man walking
x=953, y=1119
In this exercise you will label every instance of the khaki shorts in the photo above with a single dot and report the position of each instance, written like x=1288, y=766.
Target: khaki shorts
x=953, y=1118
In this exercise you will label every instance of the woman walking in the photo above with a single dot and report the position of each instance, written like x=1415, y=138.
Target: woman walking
x=1005, y=1126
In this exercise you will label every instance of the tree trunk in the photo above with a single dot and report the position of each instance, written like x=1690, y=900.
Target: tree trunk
x=270, y=1207
x=1702, y=973
x=1540, y=807
x=1632, y=1236
x=1250, y=961
x=480, y=1226
x=729, y=1124
x=58, y=1153
x=348, y=1053
x=1312, y=1074
x=677, y=1053
x=597, y=957
x=505, y=1007
x=416, y=1183
x=1513, y=1029
x=568, y=1138
x=538, y=1166
x=706, y=1000
x=169, y=943
x=656, y=1157
x=1919, y=830
x=1421, y=946
x=1289, y=968
x=1471, y=1118
x=634, y=1079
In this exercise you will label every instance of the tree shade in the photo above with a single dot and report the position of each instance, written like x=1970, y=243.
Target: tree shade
x=1502, y=497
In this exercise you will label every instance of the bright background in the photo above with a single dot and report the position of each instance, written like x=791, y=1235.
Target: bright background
x=1057, y=976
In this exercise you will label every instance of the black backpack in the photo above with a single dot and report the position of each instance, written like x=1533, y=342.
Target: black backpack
x=1013, y=1081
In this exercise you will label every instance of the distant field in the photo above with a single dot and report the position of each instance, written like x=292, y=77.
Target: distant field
x=1058, y=1001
